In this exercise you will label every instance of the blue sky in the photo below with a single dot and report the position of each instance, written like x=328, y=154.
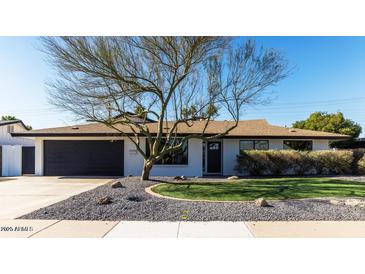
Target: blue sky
x=328, y=75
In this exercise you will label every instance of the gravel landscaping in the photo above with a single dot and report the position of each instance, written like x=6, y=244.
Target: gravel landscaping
x=133, y=203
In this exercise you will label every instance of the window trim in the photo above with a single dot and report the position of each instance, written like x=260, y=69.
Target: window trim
x=254, y=146
x=174, y=165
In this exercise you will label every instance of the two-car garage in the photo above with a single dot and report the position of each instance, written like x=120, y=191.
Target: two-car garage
x=83, y=158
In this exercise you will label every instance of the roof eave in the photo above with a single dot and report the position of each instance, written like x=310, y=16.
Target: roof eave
x=35, y=134
x=14, y=122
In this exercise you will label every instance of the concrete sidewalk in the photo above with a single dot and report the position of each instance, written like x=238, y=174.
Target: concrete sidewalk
x=141, y=229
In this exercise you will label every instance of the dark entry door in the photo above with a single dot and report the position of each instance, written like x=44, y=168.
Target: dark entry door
x=83, y=158
x=214, y=157
x=28, y=160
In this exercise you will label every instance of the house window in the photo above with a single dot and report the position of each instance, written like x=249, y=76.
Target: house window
x=173, y=158
x=298, y=145
x=254, y=145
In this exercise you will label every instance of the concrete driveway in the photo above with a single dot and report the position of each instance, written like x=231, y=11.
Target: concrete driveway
x=22, y=195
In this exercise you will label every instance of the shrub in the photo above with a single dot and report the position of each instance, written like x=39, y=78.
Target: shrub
x=356, y=164
x=361, y=166
x=279, y=162
x=252, y=163
x=305, y=163
x=329, y=162
x=289, y=162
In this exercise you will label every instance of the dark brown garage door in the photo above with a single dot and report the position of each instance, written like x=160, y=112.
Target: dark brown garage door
x=83, y=158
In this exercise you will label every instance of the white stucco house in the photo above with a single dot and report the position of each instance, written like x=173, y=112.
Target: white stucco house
x=95, y=149
x=16, y=153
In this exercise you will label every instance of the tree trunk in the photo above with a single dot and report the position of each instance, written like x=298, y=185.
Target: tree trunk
x=147, y=166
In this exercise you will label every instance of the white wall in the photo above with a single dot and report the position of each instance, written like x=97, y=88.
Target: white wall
x=133, y=161
x=276, y=144
x=7, y=139
x=11, y=160
x=38, y=162
x=231, y=150
x=194, y=167
x=320, y=144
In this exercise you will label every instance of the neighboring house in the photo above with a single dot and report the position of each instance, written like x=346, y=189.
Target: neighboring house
x=16, y=153
x=95, y=149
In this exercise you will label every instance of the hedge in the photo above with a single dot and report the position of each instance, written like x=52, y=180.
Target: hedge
x=290, y=162
x=361, y=166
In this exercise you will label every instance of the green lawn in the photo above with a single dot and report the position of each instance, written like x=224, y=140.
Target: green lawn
x=271, y=189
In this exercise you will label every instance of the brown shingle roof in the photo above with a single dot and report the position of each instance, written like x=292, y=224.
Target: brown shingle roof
x=247, y=129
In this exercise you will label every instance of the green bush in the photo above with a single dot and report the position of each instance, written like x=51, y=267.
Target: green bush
x=290, y=162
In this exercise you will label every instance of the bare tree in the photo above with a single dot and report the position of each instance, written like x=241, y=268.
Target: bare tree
x=173, y=80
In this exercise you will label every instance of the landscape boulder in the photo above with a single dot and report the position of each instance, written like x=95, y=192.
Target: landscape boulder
x=117, y=184
x=261, y=202
x=180, y=178
x=104, y=200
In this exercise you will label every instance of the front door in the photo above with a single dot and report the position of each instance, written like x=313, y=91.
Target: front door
x=28, y=160
x=214, y=155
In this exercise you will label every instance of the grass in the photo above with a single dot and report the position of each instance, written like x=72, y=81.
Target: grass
x=271, y=189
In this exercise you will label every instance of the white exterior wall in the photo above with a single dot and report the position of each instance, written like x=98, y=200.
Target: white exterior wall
x=11, y=160
x=133, y=161
x=276, y=144
x=7, y=139
x=193, y=168
x=38, y=162
x=12, y=150
x=231, y=150
x=320, y=145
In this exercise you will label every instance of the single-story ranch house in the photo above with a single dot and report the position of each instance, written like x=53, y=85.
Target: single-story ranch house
x=95, y=149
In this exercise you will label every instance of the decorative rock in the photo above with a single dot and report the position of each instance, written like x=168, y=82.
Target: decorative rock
x=180, y=178
x=261, y=202
x=355, y=202
x=337, y=202
x=117, y=184
x=135, y=198
x=232, y=178
x=104, y=200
